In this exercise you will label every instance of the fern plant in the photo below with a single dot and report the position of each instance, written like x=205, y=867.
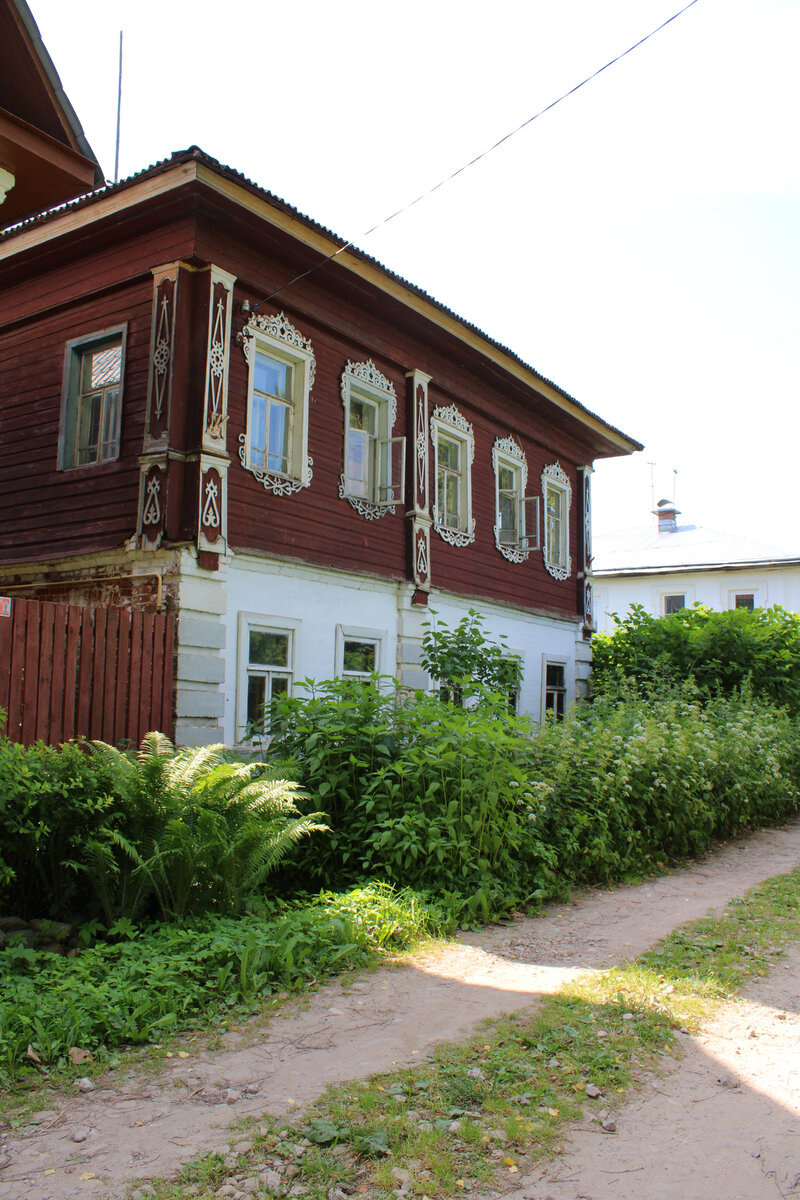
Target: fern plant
x=194, y=834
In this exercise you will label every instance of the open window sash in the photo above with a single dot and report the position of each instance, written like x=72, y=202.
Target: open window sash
x=390, y=471
x=526, y=535
x=529, y=522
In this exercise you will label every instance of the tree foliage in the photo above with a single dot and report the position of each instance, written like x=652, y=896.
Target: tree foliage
x=467, y=665
x=719, y=650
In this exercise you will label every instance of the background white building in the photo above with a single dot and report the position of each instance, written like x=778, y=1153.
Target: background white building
x=666, y=566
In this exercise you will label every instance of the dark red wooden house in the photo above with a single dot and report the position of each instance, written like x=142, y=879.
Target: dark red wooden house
x=298, y=455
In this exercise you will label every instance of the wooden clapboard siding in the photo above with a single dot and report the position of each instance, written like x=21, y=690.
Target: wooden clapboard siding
x=69, y=671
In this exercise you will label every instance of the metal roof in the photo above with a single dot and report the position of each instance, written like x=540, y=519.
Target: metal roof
x=646, y=551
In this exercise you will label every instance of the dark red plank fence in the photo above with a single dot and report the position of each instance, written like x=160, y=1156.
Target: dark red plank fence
x=68, y=671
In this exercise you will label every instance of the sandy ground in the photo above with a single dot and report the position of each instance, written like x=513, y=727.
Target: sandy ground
x=688, y=1137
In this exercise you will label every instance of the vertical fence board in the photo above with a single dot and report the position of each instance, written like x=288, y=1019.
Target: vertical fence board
x=166, y=721
x=84, y=696
x=44, y=682
x=71, y=656
x=19, y=629
x=6, y=643
x=110, y=671
x=56, y=722
x=145, y=684
x=134, y=679
x=123, y=671
x=98, y=672
x=154, y=694
x=31, y=675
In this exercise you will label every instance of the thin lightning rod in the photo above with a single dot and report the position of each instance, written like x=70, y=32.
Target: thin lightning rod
x=119, y=110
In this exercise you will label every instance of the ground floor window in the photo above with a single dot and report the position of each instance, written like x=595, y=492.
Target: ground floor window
x=359, y=651
x=744, y=600
x=555, y=690
x=266, y=670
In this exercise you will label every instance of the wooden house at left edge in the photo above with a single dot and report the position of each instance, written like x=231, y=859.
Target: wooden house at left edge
x=301, y=478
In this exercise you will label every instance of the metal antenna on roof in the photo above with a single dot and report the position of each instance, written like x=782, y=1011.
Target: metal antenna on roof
x=652, y=465
x=674, y=482
x=119, y=109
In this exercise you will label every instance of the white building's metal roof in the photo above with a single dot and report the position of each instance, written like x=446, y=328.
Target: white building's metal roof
x=646, y=550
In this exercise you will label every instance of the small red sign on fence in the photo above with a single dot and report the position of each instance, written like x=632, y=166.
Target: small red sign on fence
x=5, y=606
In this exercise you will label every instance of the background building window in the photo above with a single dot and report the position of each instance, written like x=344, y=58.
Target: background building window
x=744, y=600
x=91, y=406
x=674, y=603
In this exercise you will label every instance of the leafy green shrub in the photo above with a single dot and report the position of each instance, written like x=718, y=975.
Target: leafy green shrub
x=418, y=793
x=195, y=833
x=53, y=800
x=629, y=783
x=467, y=665
x=720, y=650
x=162, y=978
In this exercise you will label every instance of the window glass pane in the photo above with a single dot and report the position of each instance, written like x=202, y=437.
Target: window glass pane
x=269, y=649
x=451, y=505
x=449, y=454
x=359, y=656
x=109, y=445
x=278, y=457
x=358, y=463
x=745, y=601
x=508, y=517
x=258, y=430
x=279, y=686
x=102, y=366
x=506, y=479
x=256, y=700
x=555, y=675
x=273, y=377
x=362, y=416
x=554, y=501
x=88, y=428
x=673, y=604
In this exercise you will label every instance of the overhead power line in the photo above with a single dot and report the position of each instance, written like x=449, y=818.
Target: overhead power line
x=495, y=145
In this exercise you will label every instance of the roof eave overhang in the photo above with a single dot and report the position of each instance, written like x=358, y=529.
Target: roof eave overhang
x=605, y=441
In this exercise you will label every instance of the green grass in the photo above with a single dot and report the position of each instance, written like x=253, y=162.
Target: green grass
x=476, y=1114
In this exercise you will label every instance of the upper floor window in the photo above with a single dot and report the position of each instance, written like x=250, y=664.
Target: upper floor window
x=453, y=452
x=374, y=460
x=91, y=403
x=557, y=492
x=275, y=444
x=516, y=530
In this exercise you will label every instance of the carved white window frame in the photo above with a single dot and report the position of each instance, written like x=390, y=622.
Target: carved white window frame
x=363, y=381
x=277, y=337
x=74, y=351
x=449, y=422
x=506, y=452
x=557, y=558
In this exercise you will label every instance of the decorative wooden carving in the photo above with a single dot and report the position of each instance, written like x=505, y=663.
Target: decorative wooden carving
x=419, y=516
x=162, y=343
x=152, y=504
x=219, y=337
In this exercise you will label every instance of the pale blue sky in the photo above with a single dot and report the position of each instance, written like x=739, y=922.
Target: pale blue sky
x=638, y=244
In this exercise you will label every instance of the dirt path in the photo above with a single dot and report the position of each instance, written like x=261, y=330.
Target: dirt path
x=148, y=1126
